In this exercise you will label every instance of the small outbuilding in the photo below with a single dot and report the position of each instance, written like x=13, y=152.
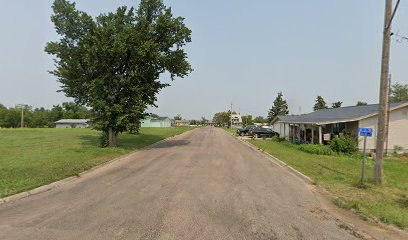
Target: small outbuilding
x=72, y=123
x=323, y=125
x=159, y=122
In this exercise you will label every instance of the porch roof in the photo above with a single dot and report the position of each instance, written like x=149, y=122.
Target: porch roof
x=337, y=115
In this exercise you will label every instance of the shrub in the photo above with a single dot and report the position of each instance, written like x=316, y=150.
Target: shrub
x=398, y=149
x=315, y=149
x=278, y=139
x=344, y=144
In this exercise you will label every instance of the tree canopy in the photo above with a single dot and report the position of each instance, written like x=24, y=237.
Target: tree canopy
x=279, y=108
x=361, y=103
x=178, y=117
x=112, y=63
x=259, y=119
x=337, y=104
x=222, y=118
x=41, y=117
x=399, y=92
x=247, y=120
x=320, y=104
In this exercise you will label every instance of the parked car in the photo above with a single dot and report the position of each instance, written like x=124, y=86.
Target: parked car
x=258, y=132
x=244, y=131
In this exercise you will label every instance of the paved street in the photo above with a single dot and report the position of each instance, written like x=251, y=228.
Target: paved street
x=204, y=184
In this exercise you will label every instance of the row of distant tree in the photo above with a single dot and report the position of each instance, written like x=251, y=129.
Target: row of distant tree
x=41, y=117
x=398, y=93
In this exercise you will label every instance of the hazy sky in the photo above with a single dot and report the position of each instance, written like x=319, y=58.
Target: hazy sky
x=242, y=52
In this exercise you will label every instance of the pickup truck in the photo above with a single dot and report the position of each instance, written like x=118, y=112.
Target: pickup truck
x=258, y=132
x=244, y=131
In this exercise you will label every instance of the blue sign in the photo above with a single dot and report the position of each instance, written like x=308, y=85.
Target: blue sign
x=365, y=132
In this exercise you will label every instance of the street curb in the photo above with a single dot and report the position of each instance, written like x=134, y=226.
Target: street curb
x=279, y=162
x=53, y=185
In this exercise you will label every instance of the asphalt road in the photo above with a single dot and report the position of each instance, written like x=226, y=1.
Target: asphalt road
x=204, y=184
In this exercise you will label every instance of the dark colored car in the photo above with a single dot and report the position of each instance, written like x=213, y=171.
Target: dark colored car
x=245, y=131
x=259, y=132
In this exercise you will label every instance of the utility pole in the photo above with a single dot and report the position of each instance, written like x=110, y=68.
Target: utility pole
x=383, y=111
x=22, y=114
x=231, y=117
x=387, y=123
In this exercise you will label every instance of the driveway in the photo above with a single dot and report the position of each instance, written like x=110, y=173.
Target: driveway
x=203, y=184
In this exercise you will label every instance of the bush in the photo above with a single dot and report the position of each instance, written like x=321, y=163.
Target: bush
x=343, y=144
x=278, y=139
x=315, y=149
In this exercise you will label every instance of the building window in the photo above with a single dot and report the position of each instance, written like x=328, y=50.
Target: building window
x=338, y=128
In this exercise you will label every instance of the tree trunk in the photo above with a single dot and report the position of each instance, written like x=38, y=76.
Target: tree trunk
x=112, y=135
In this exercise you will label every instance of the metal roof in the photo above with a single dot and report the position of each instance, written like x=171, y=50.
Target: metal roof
x=72, y=121
x=157, y=119
x=336, y=115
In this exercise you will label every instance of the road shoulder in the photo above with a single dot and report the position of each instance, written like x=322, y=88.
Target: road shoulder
x=350, y=221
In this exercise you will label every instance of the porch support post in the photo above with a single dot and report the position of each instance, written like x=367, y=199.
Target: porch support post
x=304, y=133
x=320, y=135
x=290, y=132
x=312, y=134
x=284, y=130
x=298, y=132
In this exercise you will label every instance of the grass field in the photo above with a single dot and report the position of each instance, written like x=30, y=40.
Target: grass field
x=340, y=175
x=34, y=157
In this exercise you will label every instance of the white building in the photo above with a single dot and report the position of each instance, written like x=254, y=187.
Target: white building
x=159, y=122
x=72, y=123
x=236, y=120
x=322, y=125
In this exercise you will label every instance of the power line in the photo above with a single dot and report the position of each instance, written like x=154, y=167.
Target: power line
x=393, y=15
x=400, y=38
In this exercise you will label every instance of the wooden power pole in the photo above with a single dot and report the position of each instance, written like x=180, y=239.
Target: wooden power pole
x=22, y=106
x=383, y=111
x=231, y=117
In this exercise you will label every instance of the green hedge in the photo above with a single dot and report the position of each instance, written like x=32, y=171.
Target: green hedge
x=315, y=149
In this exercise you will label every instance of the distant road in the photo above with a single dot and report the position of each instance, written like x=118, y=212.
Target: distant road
x=204, y=184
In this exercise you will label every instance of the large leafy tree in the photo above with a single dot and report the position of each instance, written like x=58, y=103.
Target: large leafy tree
x=112, y=63
x=75, y=111
x=222, y=118
x=259, y=119
x=320, y=104
x=399, y=92
x=247, y=120
x=279, y=108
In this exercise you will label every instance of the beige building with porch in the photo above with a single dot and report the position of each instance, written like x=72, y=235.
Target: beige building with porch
x=323, y=125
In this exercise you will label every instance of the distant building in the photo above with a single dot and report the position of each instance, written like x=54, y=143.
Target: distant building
x=210, y=123
x=159, y=122
x=182, y=123
x=72, y=123
x=236, y=120
x=323, y=125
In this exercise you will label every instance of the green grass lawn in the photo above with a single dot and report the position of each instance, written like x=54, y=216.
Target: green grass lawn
x=340, y=175
x=230, y=130
x=31, y=158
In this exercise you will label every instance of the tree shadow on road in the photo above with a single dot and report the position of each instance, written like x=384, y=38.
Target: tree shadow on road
x=172, y=143
x=133, y=141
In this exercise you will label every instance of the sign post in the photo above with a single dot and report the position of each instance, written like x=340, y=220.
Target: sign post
x=364, y=132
